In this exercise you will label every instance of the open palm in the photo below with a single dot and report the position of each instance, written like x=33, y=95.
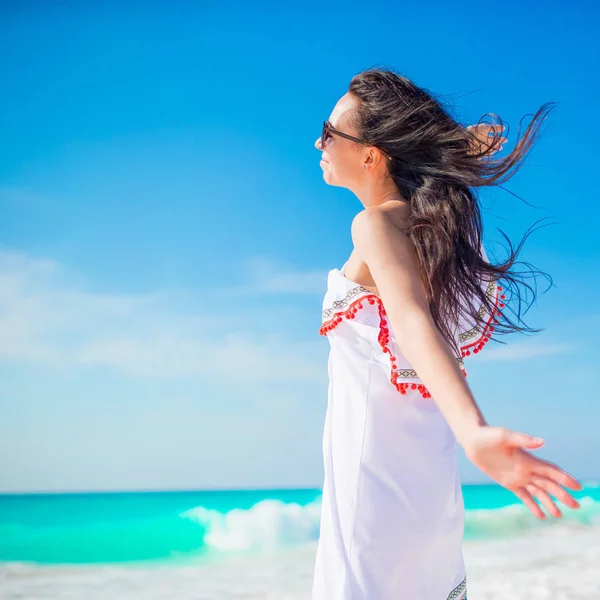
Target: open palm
x=500, y=454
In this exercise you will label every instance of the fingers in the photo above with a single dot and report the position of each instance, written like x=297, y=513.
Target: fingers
x=553, y=472
x=494, y=126
x=488, y=138
x=495, y=143
x=544, y=498
x=556, y=490
x=539, y=489
x=525, y=497
x=524, y=440
x=489, y=133
x=485, y=129
x=544, y=480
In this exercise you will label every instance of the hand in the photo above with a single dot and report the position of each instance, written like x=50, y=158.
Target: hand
x=486, y=138
x=500, y=454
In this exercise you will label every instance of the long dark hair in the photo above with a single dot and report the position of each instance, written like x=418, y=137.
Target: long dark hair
x=437, y=166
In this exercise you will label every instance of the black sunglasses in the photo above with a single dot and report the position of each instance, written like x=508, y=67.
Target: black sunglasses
x=328, y=130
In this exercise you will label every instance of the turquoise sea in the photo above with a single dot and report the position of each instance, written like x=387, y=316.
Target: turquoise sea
x=261, y=544
x=175, y=526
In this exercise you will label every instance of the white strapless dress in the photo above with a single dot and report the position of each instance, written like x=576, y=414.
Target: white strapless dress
x=392, y=517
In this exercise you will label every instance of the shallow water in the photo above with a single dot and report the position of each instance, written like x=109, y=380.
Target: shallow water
x=261, y=545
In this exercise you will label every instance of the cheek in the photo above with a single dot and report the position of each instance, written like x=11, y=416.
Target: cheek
x=342, y=167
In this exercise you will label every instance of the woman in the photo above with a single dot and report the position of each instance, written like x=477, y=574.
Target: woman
x=416, y=296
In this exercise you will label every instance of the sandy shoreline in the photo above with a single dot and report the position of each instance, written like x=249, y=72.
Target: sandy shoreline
x=555, y=564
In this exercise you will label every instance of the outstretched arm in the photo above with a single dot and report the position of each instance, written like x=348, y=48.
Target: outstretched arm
x=497, y=451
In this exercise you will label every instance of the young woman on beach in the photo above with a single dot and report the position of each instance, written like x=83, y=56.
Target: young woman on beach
x=415, y=297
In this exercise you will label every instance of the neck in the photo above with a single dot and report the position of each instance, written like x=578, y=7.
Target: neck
x=378, y=194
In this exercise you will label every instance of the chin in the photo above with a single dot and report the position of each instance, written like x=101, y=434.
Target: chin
x=327, y=178
x=326, y=169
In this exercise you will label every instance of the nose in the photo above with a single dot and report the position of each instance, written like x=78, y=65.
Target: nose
x=318, y=144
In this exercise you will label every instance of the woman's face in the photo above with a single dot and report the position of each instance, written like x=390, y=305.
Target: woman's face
x=342, y=159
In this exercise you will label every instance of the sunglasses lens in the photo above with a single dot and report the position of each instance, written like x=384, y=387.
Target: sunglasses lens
x=324, y=136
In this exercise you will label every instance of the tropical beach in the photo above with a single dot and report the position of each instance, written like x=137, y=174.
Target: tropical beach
x=166, y=244
x=196, y=545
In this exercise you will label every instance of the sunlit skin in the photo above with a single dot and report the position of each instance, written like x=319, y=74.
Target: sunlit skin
x=385, y=261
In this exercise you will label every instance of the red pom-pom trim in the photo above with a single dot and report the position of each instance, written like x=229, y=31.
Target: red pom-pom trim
x=488, y=328
x=384, y=337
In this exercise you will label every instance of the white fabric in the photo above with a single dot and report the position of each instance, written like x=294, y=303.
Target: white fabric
x=392, y=517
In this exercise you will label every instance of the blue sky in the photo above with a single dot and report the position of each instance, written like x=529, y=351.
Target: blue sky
x=166, y=232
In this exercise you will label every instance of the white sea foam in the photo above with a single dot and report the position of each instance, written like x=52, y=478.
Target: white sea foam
x=517, y=520
x=267, y=552
x=552, y=564
x=266, y=526
x=273, y=524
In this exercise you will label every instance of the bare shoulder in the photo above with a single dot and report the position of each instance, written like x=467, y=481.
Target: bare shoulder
x=383, y=252
x=377, y=223
x=380, y=238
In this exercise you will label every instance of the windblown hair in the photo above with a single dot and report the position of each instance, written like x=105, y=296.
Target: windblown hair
x=438, y=165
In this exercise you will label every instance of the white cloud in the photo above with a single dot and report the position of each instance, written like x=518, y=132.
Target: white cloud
x=45, y=318
x=525, y=350
x=266, y=276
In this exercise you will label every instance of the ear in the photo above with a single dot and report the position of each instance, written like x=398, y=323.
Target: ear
x=374, y=157
x=371, y=158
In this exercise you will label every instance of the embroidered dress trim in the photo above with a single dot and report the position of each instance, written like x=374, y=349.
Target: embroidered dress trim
x=341, y=305
x=483, y=333
x=384, y=339
x=347, y=308
x=460, y=591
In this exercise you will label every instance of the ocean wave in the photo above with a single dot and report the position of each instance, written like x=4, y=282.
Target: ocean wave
x=271, y=523
x=204, y=533
x=517, y=519
x=267, y=525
